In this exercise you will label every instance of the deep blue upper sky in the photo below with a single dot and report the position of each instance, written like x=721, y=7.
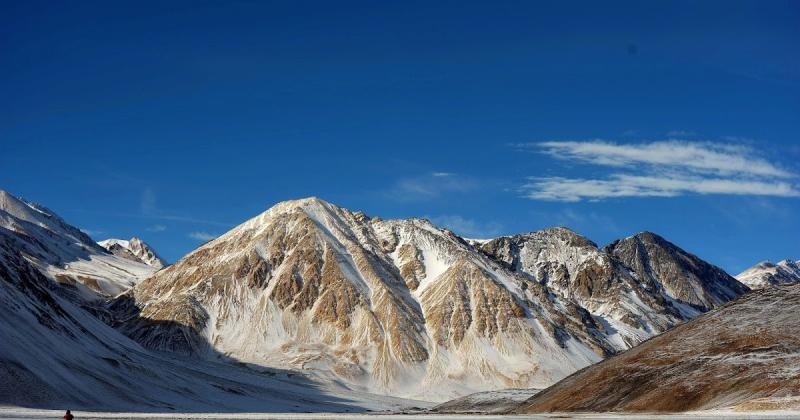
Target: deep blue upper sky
x=177, y=120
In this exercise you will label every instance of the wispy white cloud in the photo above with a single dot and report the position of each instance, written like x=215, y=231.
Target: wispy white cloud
x=148, y=203
x=150, y=209
x=696, y=156
x=759, y=209
x=156, y=228
x=202, y=236
x=660, y=169
x=618, y=185
x=678, y=134
x=92, y=232
x=431, y=186
x=467, y=227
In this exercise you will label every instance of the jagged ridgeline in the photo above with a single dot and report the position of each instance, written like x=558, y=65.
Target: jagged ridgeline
x=406, y=308
x=134, y=249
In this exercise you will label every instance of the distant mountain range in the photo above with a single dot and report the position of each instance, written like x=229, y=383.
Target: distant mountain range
x=766, y=274
x=311, y=293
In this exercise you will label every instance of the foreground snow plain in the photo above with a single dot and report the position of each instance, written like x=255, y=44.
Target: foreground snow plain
x=21, y=413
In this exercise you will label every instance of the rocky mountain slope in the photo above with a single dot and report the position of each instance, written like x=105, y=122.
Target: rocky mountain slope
x=65, y=254
x=635, y=287
x=56, y=352
x=134, y=249
x=403, y=307
x=680, y=276
x=765, y=274
x=745, y=355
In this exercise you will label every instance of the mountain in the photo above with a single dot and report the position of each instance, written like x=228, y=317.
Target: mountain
x=635, y=287
x=65, y=254
x=134, y=249
x=56, y=352
x=402, y=307
x=743, y=355
x=765, y=274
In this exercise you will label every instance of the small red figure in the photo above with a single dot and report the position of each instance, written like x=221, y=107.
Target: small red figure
x=68, y=416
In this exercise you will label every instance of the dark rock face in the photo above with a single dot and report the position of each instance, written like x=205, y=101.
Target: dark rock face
x=123, y=252
x=684, y=277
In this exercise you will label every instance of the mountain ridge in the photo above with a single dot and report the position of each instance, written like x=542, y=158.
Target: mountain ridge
x=406, y=301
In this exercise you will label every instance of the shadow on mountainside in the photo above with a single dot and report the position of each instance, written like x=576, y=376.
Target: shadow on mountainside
x=181, y=345
x=57, y=354
x=39, y=242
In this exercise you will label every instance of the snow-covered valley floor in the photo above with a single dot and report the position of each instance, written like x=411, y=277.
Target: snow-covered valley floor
x=22, y=413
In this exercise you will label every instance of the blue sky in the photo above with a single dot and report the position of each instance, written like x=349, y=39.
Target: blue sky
x=177, y=121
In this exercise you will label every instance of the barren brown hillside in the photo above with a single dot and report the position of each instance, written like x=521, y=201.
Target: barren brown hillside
x=749, y=349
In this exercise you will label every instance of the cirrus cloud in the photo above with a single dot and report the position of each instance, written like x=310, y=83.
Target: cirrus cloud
x=156, y=228
x=617, y=185
x=659, y=169
x=467, y=227
x=202, y=236
x=431, y=186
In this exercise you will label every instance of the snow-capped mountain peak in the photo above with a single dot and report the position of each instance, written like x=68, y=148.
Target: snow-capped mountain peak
x=134, y=249
x=767, y=273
